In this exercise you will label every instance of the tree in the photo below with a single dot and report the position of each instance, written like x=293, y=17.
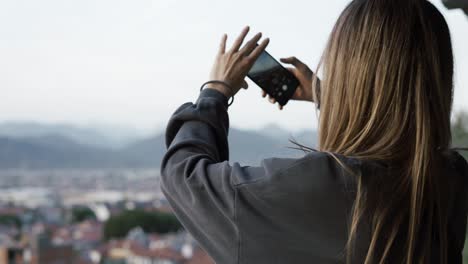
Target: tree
x=10, y=220
x=460, y=132
x=151, y=222
x=80, y=214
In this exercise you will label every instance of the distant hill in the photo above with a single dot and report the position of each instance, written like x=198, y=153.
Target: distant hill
x=250, y=147
x=31, y=145
x=146, y=152
x=57, y=150
x=43, y=153
x=274, y=131
x=86, y=136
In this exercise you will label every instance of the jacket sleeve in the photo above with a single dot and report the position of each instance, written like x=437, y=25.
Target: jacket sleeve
x=200, y=184
x=196, y=176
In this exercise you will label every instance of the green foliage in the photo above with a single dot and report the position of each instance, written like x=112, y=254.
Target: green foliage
x=10, y=220
x=151, y=222
x=460, y=139
x=460, y=132
x=113, y=261
x=80, y=214
x=465, y=253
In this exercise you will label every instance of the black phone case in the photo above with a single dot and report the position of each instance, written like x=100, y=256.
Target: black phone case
x=283, y=95
x=280, y=83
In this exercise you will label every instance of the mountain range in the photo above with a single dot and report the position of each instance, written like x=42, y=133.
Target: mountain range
x=43, y=146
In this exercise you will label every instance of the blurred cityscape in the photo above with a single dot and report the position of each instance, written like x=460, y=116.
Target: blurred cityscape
x=77, y=216
x=59, y=206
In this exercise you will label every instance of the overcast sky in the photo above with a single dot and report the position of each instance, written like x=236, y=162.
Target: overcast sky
x=132, y=63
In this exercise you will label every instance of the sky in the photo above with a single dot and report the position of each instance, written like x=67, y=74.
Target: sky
x=132, y=63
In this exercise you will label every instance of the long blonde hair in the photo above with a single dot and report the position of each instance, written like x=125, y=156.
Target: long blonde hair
x=386, y=95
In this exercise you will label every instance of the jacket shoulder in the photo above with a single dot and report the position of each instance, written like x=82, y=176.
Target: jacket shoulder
x=315, y=170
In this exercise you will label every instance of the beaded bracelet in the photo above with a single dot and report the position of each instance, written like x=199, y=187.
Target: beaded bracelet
x=225, y=84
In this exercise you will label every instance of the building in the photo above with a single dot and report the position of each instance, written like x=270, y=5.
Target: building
x=45, y=252
x=11, y=255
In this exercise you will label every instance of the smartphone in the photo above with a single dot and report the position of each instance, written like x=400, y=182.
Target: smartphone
x=272, y=77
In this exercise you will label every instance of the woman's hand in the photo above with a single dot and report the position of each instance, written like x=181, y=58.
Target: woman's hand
x=305, y=76
x=233, y=65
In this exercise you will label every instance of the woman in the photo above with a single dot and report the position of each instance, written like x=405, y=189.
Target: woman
x=384, y=185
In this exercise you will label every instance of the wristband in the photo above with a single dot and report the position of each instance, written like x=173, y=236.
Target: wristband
x=225, y=84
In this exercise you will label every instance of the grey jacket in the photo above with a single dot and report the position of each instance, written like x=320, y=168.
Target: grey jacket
x=283, y=211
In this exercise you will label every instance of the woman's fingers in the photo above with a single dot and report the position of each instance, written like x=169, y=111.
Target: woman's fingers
x=247, y=49
x=294, y=61
x=271, y=99
x=245, y=85
x=222, y=45
x=291, y=60
x=237, y=44
x=259, y=49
